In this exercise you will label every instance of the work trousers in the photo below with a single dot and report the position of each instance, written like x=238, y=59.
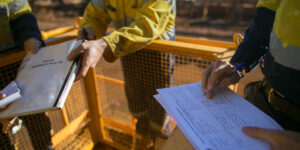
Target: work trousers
x=255, y=93
x=144, y=72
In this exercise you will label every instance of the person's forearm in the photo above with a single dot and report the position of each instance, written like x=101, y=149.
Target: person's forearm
x=256, y=41
x=95, y=18
x=151, y=22
x=25, y=27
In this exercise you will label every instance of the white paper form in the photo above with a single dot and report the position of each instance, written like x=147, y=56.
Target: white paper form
x=216, y=123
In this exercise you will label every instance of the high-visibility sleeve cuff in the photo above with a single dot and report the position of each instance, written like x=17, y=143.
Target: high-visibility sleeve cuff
x=111, y=45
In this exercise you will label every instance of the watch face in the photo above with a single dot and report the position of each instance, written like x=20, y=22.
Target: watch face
x=241, y=72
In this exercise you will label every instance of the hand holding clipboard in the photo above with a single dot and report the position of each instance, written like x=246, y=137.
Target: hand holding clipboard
x=9, y=94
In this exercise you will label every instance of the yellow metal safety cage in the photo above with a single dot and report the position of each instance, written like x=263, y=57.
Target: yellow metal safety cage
x=97, y=108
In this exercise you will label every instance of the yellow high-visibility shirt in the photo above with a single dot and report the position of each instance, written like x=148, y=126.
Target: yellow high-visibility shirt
x=138, y=22
x=287, y=20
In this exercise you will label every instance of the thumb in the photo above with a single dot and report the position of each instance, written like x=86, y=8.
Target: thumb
x=2, y=96
x=36, y=47
x=80, y=35
x=260, y=133
x=77, y=51
x=90, y=34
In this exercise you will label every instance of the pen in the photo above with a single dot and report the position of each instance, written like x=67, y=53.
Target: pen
x=233, y=71
x=85, y=34
x=238, y=67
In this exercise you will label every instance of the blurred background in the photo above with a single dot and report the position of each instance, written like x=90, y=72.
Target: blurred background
x=205, y=19
x=214, y=19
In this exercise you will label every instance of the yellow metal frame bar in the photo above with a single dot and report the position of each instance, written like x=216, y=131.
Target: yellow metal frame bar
x=120, y=126
x=12, y=57
x=90, y=146
x=65, y=116
x=69, y=129
x=207, y=52
x=207, y=42
x=55, y=32
x=110, y=80
x=97, y=126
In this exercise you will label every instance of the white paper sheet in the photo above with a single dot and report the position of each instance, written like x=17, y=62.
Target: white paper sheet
x=216, y=123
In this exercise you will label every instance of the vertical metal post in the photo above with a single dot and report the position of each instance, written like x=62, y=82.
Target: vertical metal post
x=96, y=125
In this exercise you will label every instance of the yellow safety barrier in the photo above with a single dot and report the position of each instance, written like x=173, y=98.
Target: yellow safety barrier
x=100, y=101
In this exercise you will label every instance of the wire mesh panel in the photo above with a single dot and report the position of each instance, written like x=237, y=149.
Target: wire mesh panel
x=56, y=116
x=8, y=73
x=77, y=141
x=37, y=126
x=114, y=104
x=127, y=86
x=40, y=131
x=188, y=69
x=76, y=102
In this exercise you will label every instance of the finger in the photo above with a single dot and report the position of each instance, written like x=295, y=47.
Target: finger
x=12, y=120
x=93, y=65
x=90, y=34
x=205, y=75
x=204, y=79
x=36, y=47
x=209, y=94
x=84, y=68
x=77, y=73
x=77, y=51
x=2, y=96
x=27, y=47
x=77, y=78
x=80, y=35
x=232, y=79
x=260, y=133
x=211, y=75
x=220, y=69
x=82, y=72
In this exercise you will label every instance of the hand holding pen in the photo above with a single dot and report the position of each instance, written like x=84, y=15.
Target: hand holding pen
x=86, y=34
x=91, y=51
x=221, y=74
